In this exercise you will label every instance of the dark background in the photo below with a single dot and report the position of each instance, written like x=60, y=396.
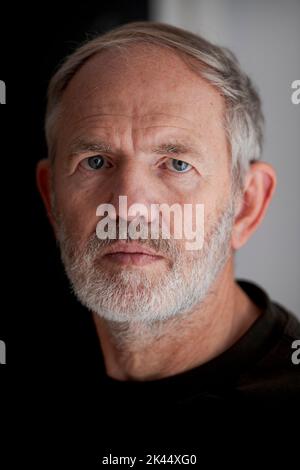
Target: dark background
x=41, y=323
x=52, y=351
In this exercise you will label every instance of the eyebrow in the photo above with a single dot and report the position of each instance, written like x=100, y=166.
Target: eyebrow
x=175, y=148
x=172, y=147
x=81, y=146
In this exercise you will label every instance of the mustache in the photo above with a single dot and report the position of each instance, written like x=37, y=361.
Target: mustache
x=167, y=247
x=93, y=246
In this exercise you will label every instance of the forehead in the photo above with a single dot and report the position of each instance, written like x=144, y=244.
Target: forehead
x=144, y=89
x=141, y=80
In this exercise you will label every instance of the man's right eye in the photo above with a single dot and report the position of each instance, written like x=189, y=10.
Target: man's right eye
x=93, y=163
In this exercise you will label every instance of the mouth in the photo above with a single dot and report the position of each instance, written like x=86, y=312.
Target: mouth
x=131, y=254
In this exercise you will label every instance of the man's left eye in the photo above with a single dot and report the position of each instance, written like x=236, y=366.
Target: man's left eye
x=178, y=165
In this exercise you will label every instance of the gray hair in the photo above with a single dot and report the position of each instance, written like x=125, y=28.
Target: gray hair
x=243, y=120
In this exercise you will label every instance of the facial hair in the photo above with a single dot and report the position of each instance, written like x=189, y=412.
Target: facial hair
x=134, y=296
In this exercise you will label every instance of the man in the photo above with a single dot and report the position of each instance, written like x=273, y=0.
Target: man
x=159, y=116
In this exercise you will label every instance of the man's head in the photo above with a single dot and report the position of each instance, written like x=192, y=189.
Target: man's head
x=159, y=115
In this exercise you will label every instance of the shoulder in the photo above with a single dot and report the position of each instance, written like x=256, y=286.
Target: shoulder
x=292, y=326
x=275, y=375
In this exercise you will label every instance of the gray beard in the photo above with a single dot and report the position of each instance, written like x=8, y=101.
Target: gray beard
x=132, y=300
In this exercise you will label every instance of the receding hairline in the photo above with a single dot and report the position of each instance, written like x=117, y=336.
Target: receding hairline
x=151, y=35
x=140, y=49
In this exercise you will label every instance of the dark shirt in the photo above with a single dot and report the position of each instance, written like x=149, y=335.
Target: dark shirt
x=258, y=366
x=237, y=400
x=76, y=413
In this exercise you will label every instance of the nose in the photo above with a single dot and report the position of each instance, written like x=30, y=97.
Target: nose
x=133, y=193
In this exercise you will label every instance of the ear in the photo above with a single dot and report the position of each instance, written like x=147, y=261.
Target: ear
x=259, y=187
x=43, y=179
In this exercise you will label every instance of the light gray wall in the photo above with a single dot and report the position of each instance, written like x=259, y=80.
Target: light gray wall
x=265, y=36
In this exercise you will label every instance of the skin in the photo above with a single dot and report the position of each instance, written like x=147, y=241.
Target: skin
x=135, y=103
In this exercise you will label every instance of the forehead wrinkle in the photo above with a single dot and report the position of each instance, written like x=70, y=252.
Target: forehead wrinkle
x=166, y=114
x=166, y=125
x=133, y=114
x=181, y=141
x=90, y=116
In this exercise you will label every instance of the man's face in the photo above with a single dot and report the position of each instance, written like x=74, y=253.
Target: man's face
x=141, y=125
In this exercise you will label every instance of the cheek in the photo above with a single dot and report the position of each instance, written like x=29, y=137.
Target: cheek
x=77, y=209
x=215, y=203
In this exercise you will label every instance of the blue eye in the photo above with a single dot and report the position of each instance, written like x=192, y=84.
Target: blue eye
x=178, y=165
x=95, y=163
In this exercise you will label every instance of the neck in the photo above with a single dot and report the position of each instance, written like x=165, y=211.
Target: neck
x=149, y=352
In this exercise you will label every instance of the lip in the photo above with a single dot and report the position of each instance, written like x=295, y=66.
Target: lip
x=131, y=253
x=131, y=247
